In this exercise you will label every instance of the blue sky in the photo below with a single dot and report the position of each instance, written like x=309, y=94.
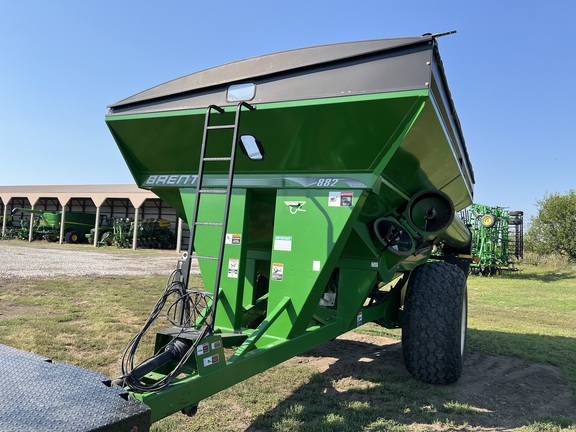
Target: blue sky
x=511, y=69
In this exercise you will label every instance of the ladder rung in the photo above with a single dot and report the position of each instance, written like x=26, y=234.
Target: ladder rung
x=213, y=191
x=214, y=159
x=205, y=257
x=220, y=127
x=209, y=223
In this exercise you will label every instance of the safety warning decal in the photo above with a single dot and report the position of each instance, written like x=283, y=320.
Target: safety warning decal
x=277, y=272
x=359, y=319
x=216, y=345
x=233, y=268
x=211, y=360
x=340, y=199
x=203, y=348
x=233, y=239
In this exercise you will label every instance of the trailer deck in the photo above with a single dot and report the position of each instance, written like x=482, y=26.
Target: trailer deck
x=37, y=394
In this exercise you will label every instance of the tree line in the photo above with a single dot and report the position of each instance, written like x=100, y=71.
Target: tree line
x=553, y=229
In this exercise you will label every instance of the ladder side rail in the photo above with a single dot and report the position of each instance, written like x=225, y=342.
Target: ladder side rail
x=192, y=225
x=227, y=208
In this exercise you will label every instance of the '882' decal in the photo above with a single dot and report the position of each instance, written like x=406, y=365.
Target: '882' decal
x=327, y=182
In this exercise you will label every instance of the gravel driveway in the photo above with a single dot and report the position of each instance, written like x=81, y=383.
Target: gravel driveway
x=29, y=261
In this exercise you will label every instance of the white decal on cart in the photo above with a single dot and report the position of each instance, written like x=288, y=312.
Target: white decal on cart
x=327, y=182
x=340, y=199
x=208, y=361
x=233, y=268
x=233, y=239
x=277, y=272
x=295, y=206
x=203, y=349
x=171, y=180
x=283, y=243
x=216, y=345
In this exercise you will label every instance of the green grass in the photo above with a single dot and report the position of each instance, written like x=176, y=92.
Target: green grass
x=87, y=322
x=529, y=314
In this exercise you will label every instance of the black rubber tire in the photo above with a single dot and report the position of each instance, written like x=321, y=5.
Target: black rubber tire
x=107, y=239
x=434, y=323
x=72, y=237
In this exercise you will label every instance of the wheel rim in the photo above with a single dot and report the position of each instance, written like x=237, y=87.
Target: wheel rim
x=487, y=220
x=463, y=324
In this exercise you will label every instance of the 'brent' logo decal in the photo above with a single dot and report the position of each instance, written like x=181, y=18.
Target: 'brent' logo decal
x=171, y=180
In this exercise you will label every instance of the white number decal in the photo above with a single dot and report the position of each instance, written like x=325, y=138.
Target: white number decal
x=327, y=182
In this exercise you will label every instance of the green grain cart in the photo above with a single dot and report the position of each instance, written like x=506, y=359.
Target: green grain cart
x=316, y=184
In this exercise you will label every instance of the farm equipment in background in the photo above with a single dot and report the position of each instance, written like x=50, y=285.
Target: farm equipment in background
x=151, y=233
x=105, y=227
x=46, y=225
x=497, y=238
x=350, y=170
x=11, y=230
x=156, y=234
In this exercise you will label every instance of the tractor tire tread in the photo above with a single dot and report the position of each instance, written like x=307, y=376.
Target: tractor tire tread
x=431, y=334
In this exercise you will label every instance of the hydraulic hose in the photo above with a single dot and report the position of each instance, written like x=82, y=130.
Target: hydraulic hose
x=174, y=352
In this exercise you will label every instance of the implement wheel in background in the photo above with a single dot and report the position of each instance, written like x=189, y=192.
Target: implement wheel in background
x=107, y=239
x=49, y=238
x=434, y=323
x=488, y=220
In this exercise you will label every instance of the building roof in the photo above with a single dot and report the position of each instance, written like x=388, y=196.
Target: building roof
x=98, y=193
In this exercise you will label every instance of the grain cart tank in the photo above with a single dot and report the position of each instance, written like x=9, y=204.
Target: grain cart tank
x=316, y=183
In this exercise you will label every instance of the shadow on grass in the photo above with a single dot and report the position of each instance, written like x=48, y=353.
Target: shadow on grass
x=547, y=276
x=557, y=351
x=366, y=387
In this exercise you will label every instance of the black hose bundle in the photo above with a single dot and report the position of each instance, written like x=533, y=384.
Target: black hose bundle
x=177, y=350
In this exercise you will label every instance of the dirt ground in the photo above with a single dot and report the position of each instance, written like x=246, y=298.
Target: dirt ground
x=506, y=392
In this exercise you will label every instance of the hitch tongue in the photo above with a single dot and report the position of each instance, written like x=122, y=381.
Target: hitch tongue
x=173, y=352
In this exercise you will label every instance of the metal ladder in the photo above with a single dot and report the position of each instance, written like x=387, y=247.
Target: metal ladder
x=201, y=190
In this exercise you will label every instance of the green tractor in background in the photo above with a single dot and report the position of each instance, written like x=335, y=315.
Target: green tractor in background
x=46, y=225
x=497, y=238
x=105, y=232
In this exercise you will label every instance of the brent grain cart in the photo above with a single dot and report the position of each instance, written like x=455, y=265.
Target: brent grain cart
x=316, y=184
